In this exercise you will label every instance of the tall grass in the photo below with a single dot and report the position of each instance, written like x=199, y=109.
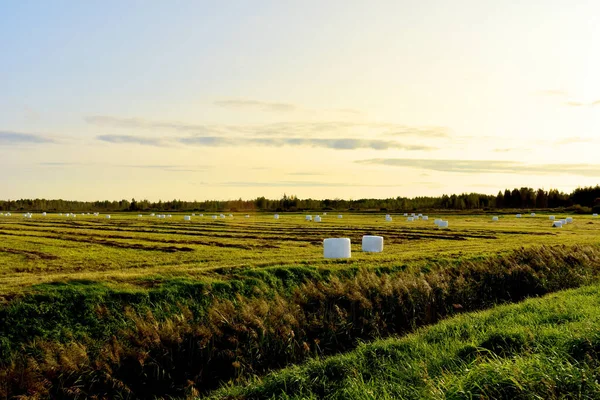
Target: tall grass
x=546, y=348
x=193, y=341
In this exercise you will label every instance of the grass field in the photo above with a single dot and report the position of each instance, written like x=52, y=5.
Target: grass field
x=140, y=307
x=127, y=250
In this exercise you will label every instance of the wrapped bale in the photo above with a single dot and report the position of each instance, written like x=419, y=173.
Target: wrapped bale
x=336, y=248
x=372, y=244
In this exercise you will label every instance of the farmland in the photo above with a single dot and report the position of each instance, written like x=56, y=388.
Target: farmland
x=141, y=307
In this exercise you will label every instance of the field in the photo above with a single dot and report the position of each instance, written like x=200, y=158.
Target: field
x=127, y=250
x=142, y=307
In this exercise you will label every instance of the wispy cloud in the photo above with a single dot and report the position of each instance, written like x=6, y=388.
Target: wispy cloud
x=552, y=92
x=255, y=104
x=337, y=144
x=14, y=138
x=296, y=184
x=574, y=103
x=130, y=139
x=494, y=167
x=163, y=167
x=289, y=129
x=573, y=140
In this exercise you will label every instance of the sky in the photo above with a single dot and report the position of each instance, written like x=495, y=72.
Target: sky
x=352, y=99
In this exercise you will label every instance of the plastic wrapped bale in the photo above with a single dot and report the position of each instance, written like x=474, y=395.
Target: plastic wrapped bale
x=410, y=219
x=247, y=215
x=317, y=219
x=533, y=214
x=425, y=218
x=594, y=214
x=43, y=214
x=187, y=218
x=557, y=224
x=324, y=213
x=214, y=217
x=152, y=215
x=388, y=218
x=437, y=221
x=140, y=216
x=372, y=244
x=340, y=216
x=413, y=214
x=201, y=215
x=276, y=216
x=308, y=218
x=336, y=248
x=231, y=215
x=222, y=215
x=406, y=214
x=569, y=220
x=108, y=217
x=494, y=218
x=518, y=215
x=552, y=218
x=443, y=224
x=169, y=216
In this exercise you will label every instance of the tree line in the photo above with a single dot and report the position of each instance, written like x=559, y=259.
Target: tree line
x=582, y=199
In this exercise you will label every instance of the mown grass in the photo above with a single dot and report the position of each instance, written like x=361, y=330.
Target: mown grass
x=546, y=348
x=108, y=308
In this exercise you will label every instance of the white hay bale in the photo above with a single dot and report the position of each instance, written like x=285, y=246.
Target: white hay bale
x=201, y=215
x=324, y=213
x=557, y=224
x=425, y=218
x=518, y=215
x=43, y=214
x=187, y=218
x=317, y=218
x=552, y=218
x=108, y=217
x=214, y=217
x=569, y=220
x=140, y=216
x=494, y=218
x=388, y=218
x=420, y=215
x=594, y=214
x=533, y=214
x=152, y=215
x=276, y=216
x=443, y=224
x=336, y=248
x=410, y=219
x=372, y=244
x=340, y=216
x=412, y=215
x=231, y=215
x=406, y=214
x=437, y=221
x=308, y=218
x=193, y=215
x=247, y=215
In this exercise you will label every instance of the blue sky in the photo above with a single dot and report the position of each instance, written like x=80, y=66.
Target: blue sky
x=197, y=99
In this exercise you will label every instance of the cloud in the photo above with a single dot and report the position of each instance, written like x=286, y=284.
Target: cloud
x=288, y=129
x=510, y=149
x=147, y=141
x=14, y=138
x=295, y=184
x=163, y=167
x=573, y=140
x=336, y=144
x=139, y=123
x=552, y=92
x=574, y=103
x=492, y=167
x=306, y=173
x=255, y=104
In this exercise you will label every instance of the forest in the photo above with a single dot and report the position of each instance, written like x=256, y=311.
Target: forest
x=583, y=199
